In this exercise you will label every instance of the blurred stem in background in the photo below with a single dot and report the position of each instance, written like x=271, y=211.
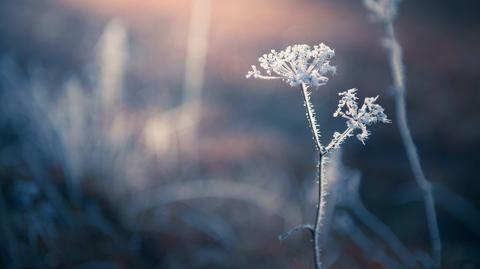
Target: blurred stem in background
x=112, y=58
x=386, y=11
x=396, y=67
x=190, y=110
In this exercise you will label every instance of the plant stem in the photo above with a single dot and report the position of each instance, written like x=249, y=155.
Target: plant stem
x=322, y=193
x=396, y=67
x=318, y=236
x=312, y=121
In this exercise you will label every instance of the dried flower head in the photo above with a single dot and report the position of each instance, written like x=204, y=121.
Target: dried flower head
x=297, y=65
x=359, y=118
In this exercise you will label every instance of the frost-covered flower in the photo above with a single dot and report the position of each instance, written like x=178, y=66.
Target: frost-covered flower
x=297, y=65
x=383, y=10
x=358, y=118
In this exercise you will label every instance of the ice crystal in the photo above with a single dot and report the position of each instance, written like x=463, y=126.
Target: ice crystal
x=297, y=65
x=358, y=118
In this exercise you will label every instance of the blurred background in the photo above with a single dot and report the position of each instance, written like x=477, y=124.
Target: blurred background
x=130, y=138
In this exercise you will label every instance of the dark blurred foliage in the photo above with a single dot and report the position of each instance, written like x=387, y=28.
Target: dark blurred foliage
x=142, y=199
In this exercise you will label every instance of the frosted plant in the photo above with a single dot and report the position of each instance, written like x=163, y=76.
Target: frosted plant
x=307, y=67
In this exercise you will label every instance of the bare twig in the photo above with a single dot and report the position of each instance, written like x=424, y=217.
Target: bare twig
x=311, y=118
x=385, y=11
x=396, y=67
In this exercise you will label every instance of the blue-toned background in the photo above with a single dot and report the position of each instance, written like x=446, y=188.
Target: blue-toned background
x=130, y=138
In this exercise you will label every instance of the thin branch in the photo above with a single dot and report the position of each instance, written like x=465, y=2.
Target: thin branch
x=312, y=120
x=337, y=141
x=322, y=194
x=397, y=69
x=347, y=226
x=318, y=238
x=295, y=229
x=267, y=77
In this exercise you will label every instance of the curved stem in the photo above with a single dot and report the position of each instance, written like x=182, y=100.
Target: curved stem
x=396, y=67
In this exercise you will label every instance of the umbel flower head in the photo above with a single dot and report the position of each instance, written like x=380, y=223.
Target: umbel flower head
x=359, y=118
x=297, y=65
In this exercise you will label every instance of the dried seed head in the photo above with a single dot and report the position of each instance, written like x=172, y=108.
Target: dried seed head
x=297, y=65
x=359, y=118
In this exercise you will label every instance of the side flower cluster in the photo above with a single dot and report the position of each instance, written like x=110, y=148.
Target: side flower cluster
x=359, y=118
x=297, y=65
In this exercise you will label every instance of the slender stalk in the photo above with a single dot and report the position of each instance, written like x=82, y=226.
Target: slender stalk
x=341, y=137
x=318, y=235
x=316, y=230
x=296, y=229
x=312, y=120
x=396, y=67
x=322, y=195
